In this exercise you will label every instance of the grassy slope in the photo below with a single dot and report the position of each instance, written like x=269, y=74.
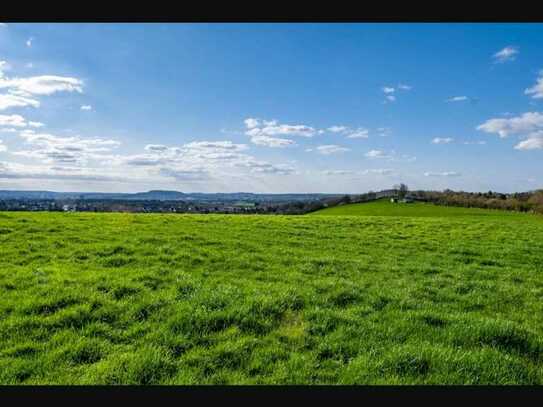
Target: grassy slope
x=121, y=298
x=385, y=208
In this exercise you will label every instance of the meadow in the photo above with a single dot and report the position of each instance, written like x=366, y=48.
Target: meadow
x=374, y=293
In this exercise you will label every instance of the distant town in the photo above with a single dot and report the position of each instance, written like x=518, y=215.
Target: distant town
x=249, y=203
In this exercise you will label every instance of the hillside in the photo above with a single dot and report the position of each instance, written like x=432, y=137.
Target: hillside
x=433, y=297
x=384, y=207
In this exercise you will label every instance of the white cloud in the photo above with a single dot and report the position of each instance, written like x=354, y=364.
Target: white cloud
x=537, y=90
x=16, y=120
x=377, y=154
x=389, y=90
x=524, y=124
x=2, y=146
x=276, y=129
x=201, y=160
x=457, y=99
x=8, y=100
x=350, y=133
x=442, y=174
x=359, y=133
x=41, y=85
x=86, y=107
x=264, y=132
x=442, y=140
x=29, y=42
x=390, y=98
x=251, y=123
x=272, y=141
x=3, y=25
x=13, y=120
x=509, y=53
x=337, y=129
x=4, y=66
x=331, y=149
x=156, y=147
x=533, y=142
x=52, y=149
x=196, y=174
x=18, y=171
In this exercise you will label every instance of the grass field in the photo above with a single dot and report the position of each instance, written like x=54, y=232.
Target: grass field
x=389, y=294
x=418, y=209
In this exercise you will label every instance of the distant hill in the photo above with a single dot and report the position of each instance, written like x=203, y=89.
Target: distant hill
x=160, y=195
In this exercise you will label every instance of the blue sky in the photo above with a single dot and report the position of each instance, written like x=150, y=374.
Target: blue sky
x=340, y=108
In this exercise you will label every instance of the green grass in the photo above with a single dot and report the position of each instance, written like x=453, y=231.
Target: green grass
x=218, y=299
x=384, y=207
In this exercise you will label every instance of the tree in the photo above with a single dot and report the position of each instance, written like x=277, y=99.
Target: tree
x=401, y=190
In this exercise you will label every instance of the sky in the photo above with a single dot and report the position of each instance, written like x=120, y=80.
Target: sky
x=271, y=108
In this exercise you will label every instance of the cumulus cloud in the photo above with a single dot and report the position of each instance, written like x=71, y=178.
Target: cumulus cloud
x=331, y=149
x=263, y=167
x=197, y=174
x=272, y=141
x=56, y=149
x=13, y=120
x=388, y=89
x=442, y=174
x=155, y=147
x=508, y=53
x=404, y=87
x=86, y=107
x=41, y=85
x=16, y=120
x=22, y=92
x=528, y=126
x=9, y=100
x=442, y=140
x=533, y=142
x=251, y=123
x=265, y=133
x=537, y=90
x=29, y=42
x=273, y=128
x=200, y=160
x=523, y=124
